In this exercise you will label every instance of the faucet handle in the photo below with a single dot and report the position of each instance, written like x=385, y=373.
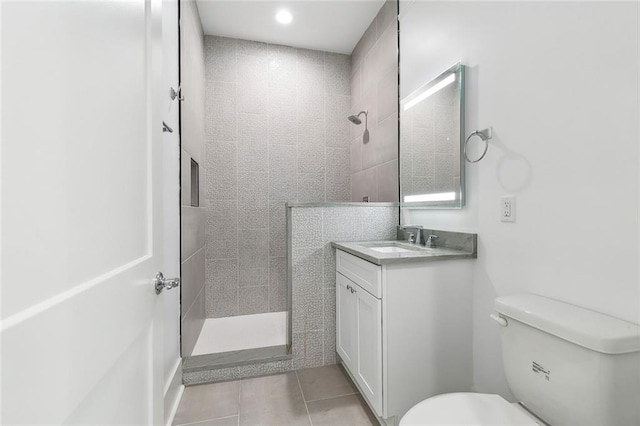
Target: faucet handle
x=431, y=241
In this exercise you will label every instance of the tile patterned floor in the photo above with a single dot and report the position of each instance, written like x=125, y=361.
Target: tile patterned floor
x=310, y=397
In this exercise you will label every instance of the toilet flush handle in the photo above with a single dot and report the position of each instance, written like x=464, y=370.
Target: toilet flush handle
x=500, y=320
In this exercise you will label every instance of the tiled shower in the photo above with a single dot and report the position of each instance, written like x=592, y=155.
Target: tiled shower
x=275, y=132
x=271, y=122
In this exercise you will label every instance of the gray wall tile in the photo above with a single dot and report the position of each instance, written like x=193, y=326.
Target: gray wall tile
x=277, y=230
x=364, y=45
x=253, y=151
x=192, y=146
x=337, y=71
x=329, y=266
x=374, y=87
x=342, y=224
x=282, y=67
x=387, y=141
x=307, y=349
x=253, y=48
x=253, y=202
x=387, y=178
x=222, y=170
x=193, y=279
x=387, y=16
x=221, y=229
x=193, y=221
x=253, y=260
x=220, y=58
x=221, y=107
x=306, y=227
x=253, y=300
x=278, y=284
x=338, y=174
x=282, y=113
x=387, y=100
x=307, y=276
x=192, y=323
x=185, y=178
x=271, y=112
x=311, y=187
x=222, y=288
x=311, y=159
x=329, y=329
x=337, y=132
x=363, y=184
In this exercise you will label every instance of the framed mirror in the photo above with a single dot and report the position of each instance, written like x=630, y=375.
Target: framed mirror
x=431, y=141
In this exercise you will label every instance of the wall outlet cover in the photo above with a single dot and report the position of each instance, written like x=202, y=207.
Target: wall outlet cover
x=508, y=208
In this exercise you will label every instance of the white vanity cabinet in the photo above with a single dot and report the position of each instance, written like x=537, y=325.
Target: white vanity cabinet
x=359, y=337
x=403, y=330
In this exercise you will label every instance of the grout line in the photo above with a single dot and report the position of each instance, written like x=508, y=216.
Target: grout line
x=303, y=398
x=206, y=421
x=334, y=396
x=239, y=399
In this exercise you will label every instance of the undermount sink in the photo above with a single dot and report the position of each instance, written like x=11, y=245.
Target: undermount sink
x=390, y=249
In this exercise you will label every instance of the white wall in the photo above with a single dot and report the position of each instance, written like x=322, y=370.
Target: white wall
x=559, y=84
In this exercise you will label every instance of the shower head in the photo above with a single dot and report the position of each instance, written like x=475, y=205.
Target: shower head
x=354, y=118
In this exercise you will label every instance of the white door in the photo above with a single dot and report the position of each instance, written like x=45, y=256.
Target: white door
x=346, y=321
x=81, y=212
x=369, y=352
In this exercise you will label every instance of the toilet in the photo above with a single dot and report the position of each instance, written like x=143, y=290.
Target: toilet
x=564, y=364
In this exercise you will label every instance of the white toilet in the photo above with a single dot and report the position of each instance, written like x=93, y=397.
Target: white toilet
x=567, y=365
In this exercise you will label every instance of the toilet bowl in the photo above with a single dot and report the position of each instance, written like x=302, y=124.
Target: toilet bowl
x=468, y=409
x=567, y=365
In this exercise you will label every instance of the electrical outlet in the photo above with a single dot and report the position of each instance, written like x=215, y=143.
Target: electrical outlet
x=508, y=209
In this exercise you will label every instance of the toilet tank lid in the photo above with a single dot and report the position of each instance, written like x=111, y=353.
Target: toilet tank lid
x=583, y=327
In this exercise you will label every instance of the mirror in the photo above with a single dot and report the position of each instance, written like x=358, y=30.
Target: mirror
x=431, y=140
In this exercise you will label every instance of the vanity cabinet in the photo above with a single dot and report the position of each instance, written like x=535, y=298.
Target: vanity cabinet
x=403, y=331
x=359, y=337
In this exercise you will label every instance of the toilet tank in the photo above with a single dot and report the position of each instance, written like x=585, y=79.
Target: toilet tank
x=569, y=365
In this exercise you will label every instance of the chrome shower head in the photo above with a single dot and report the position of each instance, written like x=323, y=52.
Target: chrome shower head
x=355, y=118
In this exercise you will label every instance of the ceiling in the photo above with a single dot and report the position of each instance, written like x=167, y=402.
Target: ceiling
x=331, y=26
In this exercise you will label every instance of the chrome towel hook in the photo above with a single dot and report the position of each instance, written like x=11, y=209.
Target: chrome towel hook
x=485, y=135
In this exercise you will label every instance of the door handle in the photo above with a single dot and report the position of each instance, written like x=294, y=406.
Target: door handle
x=160, y=282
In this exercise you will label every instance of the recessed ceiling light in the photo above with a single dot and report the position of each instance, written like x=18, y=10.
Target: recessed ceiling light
x=284, y=16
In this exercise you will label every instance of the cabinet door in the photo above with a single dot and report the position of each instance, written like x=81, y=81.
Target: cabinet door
x=346, y=322
x=369, y=350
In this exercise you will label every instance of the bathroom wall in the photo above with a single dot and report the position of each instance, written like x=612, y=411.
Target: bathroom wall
x=276, y=131
x=192, y=148
x=313, y=276
x=374, y=87
x=559, y=84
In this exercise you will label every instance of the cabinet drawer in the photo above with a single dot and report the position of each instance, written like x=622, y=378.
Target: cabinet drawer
x=366, y=274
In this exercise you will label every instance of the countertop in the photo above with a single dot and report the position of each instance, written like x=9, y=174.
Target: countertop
x=416, y=253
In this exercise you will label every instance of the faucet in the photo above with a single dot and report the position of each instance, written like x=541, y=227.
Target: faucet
x=412, y=233
x=431, y=241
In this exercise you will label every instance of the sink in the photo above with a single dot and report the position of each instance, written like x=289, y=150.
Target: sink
x=390, y=249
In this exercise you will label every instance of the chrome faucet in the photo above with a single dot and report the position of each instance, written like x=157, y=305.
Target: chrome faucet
x=412, y=233
x=431, y=241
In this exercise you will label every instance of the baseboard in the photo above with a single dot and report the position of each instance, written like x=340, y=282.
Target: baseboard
x=172, y=393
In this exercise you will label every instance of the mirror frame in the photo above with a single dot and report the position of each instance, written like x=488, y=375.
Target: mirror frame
x=459, y=70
